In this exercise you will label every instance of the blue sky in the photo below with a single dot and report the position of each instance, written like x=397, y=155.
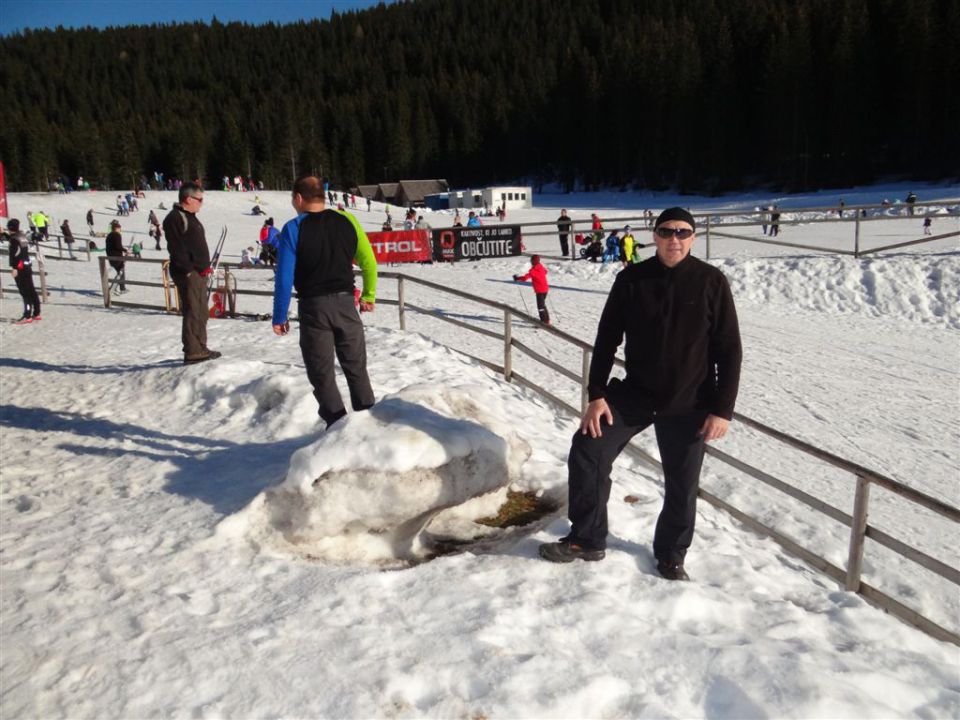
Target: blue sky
x=36, y=14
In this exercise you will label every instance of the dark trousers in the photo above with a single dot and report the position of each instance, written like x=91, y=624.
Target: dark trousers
x=590, y=463
x=542, y=307
x=564, y=245
x=330, y=325
x=121, y=274
x=31, y=301
x=193, y=306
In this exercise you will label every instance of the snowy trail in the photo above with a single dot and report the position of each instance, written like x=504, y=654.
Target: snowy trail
x=128, y=591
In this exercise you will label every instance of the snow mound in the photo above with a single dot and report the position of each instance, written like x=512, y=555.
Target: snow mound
x=369, y=487
x=918, y=288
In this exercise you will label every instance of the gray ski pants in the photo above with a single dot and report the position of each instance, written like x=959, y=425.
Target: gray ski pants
x=330, y=325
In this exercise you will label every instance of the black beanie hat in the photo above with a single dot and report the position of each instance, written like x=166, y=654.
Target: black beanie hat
x=13, y=224
x=675, y=213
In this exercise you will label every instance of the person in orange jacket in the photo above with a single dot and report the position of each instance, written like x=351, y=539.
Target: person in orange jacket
x=538, y=275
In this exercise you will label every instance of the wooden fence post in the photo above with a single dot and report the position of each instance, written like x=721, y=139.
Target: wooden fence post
x=585, y=370
x=708, y=237
x=403, y=320
x=507, y=343
x=858, y=529
x=104, y=281
x=43, y=274
x=856, y=235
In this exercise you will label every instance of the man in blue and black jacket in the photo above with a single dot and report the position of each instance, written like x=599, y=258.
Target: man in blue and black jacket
x=315, y=254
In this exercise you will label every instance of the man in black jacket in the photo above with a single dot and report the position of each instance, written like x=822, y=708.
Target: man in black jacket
x=115, y=249
x=563, y=227
x=189, y=269
x=682, y=357
x=22, y=272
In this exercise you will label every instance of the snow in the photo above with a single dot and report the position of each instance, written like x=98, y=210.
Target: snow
x=164, y=550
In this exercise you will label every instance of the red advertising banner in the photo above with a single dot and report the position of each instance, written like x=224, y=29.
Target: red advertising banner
x=401, y=246
x=3, y=193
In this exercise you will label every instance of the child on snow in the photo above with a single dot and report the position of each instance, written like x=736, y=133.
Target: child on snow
x=538, y=274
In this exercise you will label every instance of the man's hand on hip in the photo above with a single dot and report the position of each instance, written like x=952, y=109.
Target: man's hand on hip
x=281, y=329
x=714, y=428
x=596, y=411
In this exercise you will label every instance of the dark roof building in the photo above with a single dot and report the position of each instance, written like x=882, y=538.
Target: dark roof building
x=405, y=193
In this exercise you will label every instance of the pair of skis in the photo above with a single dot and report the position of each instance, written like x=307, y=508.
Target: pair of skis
x=215, y=261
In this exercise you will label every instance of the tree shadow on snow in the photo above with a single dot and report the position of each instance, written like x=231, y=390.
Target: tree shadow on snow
x=86, y=369
x=224, y=474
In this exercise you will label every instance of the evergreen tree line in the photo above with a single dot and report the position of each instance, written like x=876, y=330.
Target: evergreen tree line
x=693, y=95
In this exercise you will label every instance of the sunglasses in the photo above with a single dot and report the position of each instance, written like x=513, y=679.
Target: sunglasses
x=194, y=197
x=666, y=233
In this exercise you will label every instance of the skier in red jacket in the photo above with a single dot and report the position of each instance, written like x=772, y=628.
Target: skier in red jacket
x=538, y=274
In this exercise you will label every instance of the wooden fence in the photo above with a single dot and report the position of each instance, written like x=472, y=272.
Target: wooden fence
x=862, y=477
x=716, y=224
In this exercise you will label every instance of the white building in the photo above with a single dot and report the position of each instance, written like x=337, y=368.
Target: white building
x=511, y=197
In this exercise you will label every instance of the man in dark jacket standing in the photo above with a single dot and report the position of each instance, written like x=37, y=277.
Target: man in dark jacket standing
x=115, y=249
x=22, y=272
x=683, y=358
x=189, y=269
x=563, y=228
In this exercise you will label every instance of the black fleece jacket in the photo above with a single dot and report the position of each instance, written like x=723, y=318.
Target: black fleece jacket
x=186, y=243
x=683, y=347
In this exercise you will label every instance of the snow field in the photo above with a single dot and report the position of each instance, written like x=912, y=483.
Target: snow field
x=140, y=580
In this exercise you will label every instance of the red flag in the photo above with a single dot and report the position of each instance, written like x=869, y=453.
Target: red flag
x=3, y=193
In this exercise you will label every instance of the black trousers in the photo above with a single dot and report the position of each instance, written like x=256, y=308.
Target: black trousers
x=121, y=274
x=564, y=245
x=31, y=301
x=542, y=307
x=330, y=325
x=591, y=460
x=193, y=307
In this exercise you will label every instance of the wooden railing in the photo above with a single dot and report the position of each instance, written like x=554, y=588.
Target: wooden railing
x=860, y=529
x=717, y=225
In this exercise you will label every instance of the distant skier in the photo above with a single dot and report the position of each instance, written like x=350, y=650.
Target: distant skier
x=626, y=254
x=612, y=252
x=911, y=200
x=594, y=249
x=596, y=227
x=22, y=272
x=538, y=275
x=775, y=222
x=68, y=237
x=269, y=236
x=927, y=223
x=115, y=249
x=564, y=223
x=90, y=220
